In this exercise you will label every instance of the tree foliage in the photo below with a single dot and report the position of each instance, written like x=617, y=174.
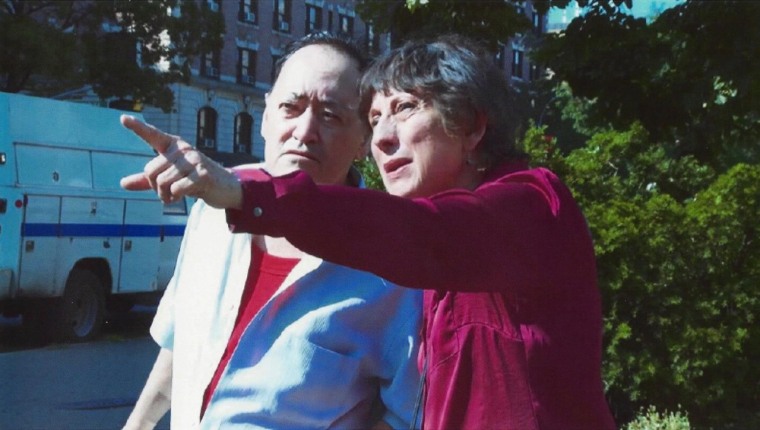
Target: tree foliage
x=678, y=255
x=50, y=46
x=668, y=178
x=690, y=77
x=404, y=20
x=492, y=22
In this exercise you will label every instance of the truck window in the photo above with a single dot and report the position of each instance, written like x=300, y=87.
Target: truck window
x=176, y=208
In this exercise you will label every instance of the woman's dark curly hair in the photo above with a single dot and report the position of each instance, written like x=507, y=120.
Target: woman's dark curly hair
x=460, y=80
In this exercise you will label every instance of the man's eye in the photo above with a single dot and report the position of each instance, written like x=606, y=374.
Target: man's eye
x=290, y=110
x=330, y=116
x=373, y=120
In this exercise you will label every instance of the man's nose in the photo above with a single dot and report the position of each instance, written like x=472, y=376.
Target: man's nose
x=384, y=134
x=307, y=127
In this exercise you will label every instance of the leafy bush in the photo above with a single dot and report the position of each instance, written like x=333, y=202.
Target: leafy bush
x=653, y=420
x=678, y=253
x=370, y=173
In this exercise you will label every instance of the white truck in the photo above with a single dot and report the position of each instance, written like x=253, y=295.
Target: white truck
x=73, y=244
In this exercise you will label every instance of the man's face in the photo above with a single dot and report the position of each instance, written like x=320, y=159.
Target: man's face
x=311, y=119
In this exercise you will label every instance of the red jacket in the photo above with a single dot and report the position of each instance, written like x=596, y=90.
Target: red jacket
x=513, y=321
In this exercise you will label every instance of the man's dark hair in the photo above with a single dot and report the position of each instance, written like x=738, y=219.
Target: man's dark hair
x=340, y=43
x=460, y=80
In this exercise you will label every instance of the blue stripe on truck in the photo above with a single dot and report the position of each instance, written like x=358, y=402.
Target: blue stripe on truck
x=95, y=230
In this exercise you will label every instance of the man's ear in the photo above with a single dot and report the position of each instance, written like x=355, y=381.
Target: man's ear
x=264, y=117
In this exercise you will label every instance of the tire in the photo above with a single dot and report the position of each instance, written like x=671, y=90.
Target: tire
x=80, y=311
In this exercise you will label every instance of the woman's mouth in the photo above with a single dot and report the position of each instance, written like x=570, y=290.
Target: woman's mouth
x=394, y=165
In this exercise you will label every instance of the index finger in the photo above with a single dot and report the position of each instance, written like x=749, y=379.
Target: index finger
x=154, y=137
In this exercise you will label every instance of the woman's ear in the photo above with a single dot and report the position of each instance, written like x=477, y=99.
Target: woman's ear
x=473, y=138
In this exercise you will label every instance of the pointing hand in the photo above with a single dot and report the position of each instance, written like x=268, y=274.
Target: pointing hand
x=181, y=170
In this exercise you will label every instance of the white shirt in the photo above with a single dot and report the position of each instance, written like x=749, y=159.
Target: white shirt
x=329, y=345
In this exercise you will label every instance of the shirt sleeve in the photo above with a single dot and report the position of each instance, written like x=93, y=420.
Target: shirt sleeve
x=162, y=327
x=502, y=235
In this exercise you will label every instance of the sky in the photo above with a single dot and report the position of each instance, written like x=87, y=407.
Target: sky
x=649, y=8
x=641, y=8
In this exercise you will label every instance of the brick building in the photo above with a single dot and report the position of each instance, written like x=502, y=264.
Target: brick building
x=220, y=110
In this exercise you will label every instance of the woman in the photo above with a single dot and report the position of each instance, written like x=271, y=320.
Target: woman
x=513, y=325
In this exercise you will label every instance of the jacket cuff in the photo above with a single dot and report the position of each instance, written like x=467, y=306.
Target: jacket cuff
x=257, y=205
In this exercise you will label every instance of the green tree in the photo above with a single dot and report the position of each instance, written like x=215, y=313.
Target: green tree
x=679, y=263
x=690, y=77
x=492, y=22
x=50, y=46
x=403, y=19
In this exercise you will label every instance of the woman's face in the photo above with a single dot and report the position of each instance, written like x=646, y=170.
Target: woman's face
x=414, y=153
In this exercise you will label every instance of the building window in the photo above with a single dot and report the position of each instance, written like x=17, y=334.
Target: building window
x=243, y=132
x=372, y=39
x=214, y=5
x=517, y=63
x=206, y=129
x=249, y=11
x=273, y=74
x=313, y=19
x=329, y=21
x=345, y=25
x=538, y=21
x=210, y=65
x=281, y=16
x=247, y=67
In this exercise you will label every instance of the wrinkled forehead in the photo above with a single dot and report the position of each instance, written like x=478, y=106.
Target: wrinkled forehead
x=322, y=72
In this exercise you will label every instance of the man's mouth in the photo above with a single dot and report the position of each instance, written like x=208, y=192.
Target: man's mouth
x=302, y=154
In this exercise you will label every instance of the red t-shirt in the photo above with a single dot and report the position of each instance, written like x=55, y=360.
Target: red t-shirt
x=265, y=275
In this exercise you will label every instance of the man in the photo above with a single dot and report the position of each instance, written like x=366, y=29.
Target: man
x=253, y=332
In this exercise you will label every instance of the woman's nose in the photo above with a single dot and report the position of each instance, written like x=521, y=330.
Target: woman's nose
x=384, y=134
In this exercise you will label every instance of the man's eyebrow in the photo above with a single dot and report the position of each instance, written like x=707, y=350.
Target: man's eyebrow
x=329, y=102
x=334, y=104
x=295, y=96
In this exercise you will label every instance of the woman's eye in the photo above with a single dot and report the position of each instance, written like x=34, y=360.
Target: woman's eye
x=405, y=106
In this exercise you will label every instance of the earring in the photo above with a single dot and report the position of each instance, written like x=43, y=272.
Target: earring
x=470, y=161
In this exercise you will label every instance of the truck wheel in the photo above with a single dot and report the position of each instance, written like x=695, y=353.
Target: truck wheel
x=81, y=309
